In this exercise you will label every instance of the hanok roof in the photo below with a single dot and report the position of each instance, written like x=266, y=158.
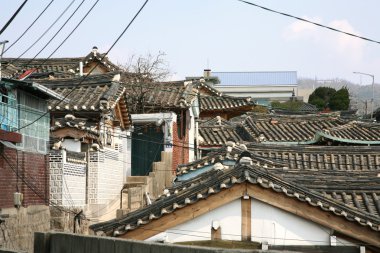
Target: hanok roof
x=353, y=132
x=257, y=78
x=59, y=67
x=154, y=96
x=82, y=127
x=217, y=132
x=252, y=178
x=285, y=129
x=85, y=94
x=225, y=103
x=33, y=88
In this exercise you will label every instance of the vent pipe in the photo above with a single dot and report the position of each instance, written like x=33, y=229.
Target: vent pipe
x=80, y=68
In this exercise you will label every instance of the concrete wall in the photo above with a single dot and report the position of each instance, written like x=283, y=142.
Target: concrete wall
x=17, y=231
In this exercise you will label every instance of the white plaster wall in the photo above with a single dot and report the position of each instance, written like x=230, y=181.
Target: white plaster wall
x=199, y=229
x=71, y=145
x=279, y=227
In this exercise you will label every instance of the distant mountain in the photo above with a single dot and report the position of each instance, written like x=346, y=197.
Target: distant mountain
x=359, y=94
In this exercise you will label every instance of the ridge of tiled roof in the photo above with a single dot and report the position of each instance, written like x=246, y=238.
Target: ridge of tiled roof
x=65, y=67
x=216, y=181
x=224, y=103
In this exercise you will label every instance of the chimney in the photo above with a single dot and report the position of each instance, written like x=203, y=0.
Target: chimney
x=94, y=50
x=206, y=73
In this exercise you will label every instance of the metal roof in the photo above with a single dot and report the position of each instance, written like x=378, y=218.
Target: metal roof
x=257, y=78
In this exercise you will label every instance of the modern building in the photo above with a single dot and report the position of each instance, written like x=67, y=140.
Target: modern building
x=264, y=86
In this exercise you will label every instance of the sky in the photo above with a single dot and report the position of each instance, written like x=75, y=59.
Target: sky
x=223, y=35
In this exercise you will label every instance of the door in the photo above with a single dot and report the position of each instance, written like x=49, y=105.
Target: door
x=147, y=144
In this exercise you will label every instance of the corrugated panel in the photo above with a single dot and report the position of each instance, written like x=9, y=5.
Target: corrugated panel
x=257, y=78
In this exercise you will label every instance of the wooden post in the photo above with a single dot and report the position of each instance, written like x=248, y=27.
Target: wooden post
x=246, y=218
x=216, y=234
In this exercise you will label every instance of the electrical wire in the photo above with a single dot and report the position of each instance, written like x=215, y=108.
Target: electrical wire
x=13, y=16
x=39, y=194
x=27, y=29
x=93, y=68
x=45, y=32
x=68, y=36
x=310, y=22
x=59, y=30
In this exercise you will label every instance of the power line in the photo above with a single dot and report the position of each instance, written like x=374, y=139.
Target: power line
x=93, y=68
x=310, y=22
x=29, y=26
x=59, y=30
x=13, y=16
x=46, y=31
x=39, y=194
x=68, y=36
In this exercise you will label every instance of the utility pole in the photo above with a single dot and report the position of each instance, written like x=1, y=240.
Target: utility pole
x=373, y=90
x=2, y=46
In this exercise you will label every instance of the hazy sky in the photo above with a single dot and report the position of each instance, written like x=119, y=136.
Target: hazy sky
x=224, y=35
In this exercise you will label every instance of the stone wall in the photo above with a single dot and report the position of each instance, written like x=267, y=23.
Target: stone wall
x=62, y=220
x=17, y=230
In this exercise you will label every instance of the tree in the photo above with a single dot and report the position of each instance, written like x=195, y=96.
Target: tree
x=147, y=68
x=321, y=97
x=326, y=97
x=140, y=73
x=340, y=100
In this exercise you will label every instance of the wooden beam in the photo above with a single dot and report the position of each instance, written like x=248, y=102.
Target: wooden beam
x=120, y=115
x=315, y=214
x=216, y=234
x=246, y=219
x=187, y=213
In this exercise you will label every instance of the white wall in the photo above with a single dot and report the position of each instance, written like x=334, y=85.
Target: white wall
x=199, y=229
x=71, y=145
x=283, y=228
x=270, y=224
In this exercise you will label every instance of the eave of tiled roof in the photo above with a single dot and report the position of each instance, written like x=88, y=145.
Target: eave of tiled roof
x=274, y=129
x=85, y=95
x=214, y=182
x=353, y=132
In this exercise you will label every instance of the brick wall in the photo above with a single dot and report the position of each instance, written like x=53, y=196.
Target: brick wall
x=180, y=148
x=32, y=167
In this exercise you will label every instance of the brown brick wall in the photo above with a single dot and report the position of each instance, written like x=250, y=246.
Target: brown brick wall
x=33, y=168
x=180, y=148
